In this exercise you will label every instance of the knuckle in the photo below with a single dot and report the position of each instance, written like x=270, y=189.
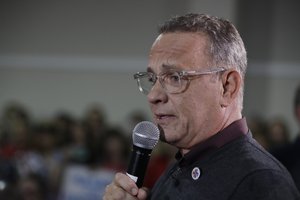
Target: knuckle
x=107, y=188
x=119, y=194
x=119, y=177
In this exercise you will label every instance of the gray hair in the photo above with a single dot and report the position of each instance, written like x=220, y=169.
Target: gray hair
x=226, y=45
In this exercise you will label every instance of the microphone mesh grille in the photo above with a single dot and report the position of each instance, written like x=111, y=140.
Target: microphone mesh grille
x=145, y=135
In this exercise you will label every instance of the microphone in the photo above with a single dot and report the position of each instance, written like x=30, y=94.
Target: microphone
x=145, y=136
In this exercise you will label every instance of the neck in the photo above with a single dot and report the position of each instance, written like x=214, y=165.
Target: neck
x=227, y=119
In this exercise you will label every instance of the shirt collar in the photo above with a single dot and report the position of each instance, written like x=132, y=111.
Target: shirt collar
x=231, y=132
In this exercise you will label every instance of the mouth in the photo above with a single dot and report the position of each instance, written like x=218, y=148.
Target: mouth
x=162, y=118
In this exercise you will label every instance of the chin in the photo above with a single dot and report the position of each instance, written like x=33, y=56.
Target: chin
x=168, y=133
x=170, y=140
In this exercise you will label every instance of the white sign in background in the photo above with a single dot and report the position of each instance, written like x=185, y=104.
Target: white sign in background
x=83, y=183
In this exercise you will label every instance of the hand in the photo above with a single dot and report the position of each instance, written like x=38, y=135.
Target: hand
x=124, y=187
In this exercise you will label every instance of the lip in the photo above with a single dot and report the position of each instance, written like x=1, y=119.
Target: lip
x=163, y=118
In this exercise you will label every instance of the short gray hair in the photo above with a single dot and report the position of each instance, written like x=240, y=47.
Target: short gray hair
x=226, y=45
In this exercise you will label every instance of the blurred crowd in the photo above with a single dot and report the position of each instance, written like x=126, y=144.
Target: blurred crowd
x=272, y=134
x=37, y=158
x=45, y=159
x=275, y=136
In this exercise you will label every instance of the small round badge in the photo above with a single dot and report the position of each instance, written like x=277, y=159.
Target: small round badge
x=196, y=173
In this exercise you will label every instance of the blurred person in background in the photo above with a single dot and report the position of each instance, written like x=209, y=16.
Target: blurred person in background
x=95, y=121
x=278, y=133
x=78, y=149
x=19, y=151
x=91, y=163
x=259, y=130
x=114, y=150
x=271, y=134
x=8, y=179
x=289, y=155
x=15, y=130
x=33, y=187
x=194, y=86
x=45, y=138
x=62, y=123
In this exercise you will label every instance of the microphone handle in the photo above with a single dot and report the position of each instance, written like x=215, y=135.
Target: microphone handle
x=138, y=164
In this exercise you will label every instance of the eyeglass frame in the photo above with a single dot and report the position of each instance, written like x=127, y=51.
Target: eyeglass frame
x=182, y=74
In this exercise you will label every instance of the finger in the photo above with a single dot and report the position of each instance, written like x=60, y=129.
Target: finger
x=114, y=192
x=126, y=183
x=117, y=194
x=143, y=193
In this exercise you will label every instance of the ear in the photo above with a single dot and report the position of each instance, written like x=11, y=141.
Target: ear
x=231, y=83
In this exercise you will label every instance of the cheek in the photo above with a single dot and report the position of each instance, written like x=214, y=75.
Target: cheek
x=196, y=109
x=188, y=108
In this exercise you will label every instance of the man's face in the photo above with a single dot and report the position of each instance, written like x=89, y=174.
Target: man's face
x=192, y=116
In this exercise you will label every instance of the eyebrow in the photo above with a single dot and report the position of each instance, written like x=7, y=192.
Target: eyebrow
x=165, y=68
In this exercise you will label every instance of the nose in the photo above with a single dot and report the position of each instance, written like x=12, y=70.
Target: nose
x=157, y=94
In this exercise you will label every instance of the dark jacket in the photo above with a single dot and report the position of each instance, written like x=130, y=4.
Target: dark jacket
x=239, y=169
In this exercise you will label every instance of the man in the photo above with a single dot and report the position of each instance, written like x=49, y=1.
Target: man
x=194, y=84
x=289, y=154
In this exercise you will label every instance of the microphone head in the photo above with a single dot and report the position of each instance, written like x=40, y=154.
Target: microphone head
x=145, y=135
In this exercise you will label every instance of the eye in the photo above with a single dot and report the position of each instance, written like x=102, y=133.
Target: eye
x=151, y=78
x=173, y=78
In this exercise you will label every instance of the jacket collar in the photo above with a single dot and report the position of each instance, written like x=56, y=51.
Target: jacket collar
x=235, y=130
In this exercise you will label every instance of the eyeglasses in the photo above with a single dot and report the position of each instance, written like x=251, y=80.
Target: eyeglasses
x=172, y=81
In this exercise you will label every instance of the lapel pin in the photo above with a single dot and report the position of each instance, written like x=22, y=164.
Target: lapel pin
x=196, y=173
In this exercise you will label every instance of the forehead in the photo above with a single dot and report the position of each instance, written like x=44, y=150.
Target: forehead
x=183, y=50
